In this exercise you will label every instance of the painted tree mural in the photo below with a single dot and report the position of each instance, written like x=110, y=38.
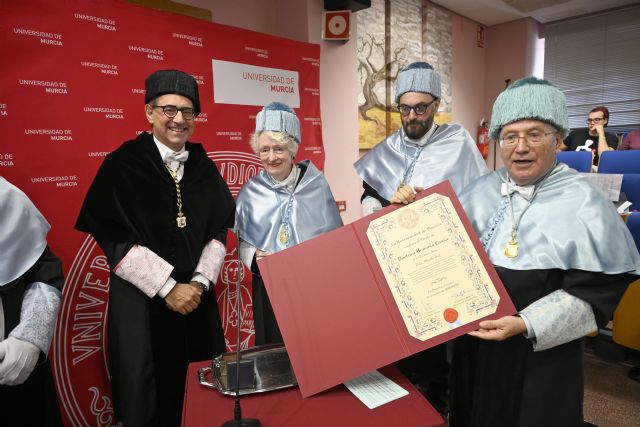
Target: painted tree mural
x=392, y=34
x=372, y=75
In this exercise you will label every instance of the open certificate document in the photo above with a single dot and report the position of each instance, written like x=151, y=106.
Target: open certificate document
x=436, y=276
x=392, y=284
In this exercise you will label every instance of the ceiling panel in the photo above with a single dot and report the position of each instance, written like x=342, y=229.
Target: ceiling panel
x=492, y=12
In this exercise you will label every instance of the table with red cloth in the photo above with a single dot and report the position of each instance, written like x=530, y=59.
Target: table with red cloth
x=286, y=408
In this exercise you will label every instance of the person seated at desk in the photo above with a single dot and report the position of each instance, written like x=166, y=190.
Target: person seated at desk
x=565, y=258
x=281, y=206
x=631, y=141
x=593, y=138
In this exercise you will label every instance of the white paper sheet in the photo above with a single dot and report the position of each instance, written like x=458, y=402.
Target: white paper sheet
x=624, y=207
x=609, y=183
x=374, y=389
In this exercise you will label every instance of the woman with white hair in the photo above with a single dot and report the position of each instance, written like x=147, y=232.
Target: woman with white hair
x=284, y=204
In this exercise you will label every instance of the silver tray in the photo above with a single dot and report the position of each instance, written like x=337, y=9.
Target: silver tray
x=272, y=370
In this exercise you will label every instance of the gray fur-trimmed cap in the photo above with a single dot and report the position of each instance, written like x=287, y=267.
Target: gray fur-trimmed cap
x=278, y=117
x=164, y=82
x=529, y=98
x=418, y=77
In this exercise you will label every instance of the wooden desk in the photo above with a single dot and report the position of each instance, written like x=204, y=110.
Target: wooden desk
x=286, y=408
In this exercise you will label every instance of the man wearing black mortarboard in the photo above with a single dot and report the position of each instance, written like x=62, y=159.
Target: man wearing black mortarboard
x=159, y=209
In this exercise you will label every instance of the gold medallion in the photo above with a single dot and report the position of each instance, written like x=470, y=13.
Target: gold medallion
x=511, y=249
x=283, y=236
x=181, y=220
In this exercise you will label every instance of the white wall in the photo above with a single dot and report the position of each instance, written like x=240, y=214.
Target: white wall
x=510, y=54
x=478, y=74
x=468, y=75
x=301, y=20
x=339, y=106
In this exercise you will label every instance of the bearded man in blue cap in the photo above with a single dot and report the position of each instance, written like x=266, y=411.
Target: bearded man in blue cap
x=419, y=155
x=565, y=258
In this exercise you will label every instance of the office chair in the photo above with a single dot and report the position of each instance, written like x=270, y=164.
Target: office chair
x=626, y=318
x=620, y=162
x=578, y=160
x=631, y=189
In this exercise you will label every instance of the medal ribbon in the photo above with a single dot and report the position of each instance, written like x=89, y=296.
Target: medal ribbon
x=511, y=248
x=408, y=172
x=284, y=233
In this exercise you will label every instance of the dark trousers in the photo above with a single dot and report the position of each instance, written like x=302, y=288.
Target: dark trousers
x=429, y=372
x=32, y=403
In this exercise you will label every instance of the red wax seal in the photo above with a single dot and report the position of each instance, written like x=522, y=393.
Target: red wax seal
x=450, y=315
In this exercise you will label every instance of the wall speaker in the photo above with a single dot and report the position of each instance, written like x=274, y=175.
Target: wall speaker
x=335, y=25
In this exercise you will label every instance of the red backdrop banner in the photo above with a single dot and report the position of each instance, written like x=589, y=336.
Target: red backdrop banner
x=73, y=90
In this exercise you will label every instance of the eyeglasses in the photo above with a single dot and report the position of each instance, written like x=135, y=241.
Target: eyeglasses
x=278, y=151
x=532, y=139
x=171, y=111
x=419, y=109
x=596, y=120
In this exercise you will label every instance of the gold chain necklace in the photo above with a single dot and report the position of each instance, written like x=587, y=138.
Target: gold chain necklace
x=511, y=248
x=181, y=220
x=284, y=234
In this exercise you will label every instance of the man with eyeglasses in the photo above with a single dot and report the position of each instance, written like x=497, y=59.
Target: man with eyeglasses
x=565, y=258
x=593, y=138
x=159, y=209
x=419, y=155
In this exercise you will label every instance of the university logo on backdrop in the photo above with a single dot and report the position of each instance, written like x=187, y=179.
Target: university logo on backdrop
x=80, y=363
x=235, y=167
x=227, y=296
x=100, y=91
x=243, y=84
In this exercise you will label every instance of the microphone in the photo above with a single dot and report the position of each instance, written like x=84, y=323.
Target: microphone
x=237, y=420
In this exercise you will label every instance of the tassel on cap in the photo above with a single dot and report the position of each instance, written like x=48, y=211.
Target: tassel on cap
x=278, y=117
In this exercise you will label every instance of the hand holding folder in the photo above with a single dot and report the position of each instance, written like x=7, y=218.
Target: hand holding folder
x=342, y=312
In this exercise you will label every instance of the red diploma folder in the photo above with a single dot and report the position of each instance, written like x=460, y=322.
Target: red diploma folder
x=337, y=315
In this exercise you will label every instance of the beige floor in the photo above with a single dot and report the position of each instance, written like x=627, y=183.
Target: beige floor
x=611, y=398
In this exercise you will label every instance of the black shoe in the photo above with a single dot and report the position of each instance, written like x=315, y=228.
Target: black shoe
x=634, y=373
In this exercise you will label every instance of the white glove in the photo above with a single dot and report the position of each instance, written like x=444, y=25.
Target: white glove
x=20, y=358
